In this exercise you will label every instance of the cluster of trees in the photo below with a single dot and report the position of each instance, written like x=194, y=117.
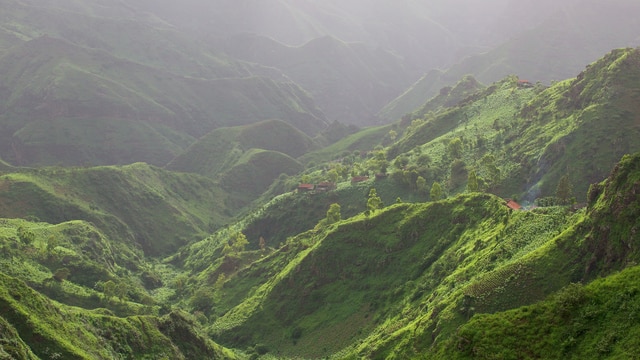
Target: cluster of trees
x=236, y=244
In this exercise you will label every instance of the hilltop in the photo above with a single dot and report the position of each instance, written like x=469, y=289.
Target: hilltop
x=555, y=49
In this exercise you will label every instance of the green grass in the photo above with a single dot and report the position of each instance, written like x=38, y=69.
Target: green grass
x=401, y=282
x=579, y=322
x=221, y=149
x=534, y=136
x=137, y=204
x=363, y=140
x=53, y=330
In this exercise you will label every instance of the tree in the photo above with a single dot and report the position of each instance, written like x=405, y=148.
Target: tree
x=564, y=190
x=472, y=182
x=122, y=289
x=421, y=185
x=401, y=161
x=455, y=148
x=227, y=249
x=333, y=175
x=458, y=174
x=393, y=134
x=238, y=241
x=262, y=243
x=61, y=274
x=436, y=191
x=490, y=169
x=220, y=282
x=333, y=214
x=25, y=235
x=52, y=242
x=109, y=289
x=373, y=202
x=423, y=160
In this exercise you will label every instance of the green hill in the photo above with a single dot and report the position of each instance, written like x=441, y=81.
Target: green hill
x=256, y=170
x=246, y=159
x=400, y=281
x=111, y=85
x=220, y=149
x=531, y=136
x=556, y=49
x=136, y=204
x=348, y=81
x=141, y=114
x=590, y=321
x=52, y=330
x=218, y=248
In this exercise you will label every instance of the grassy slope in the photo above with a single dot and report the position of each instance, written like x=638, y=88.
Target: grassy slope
x=256, y=170
x=436, y=265
x=363, y=140
x=221, y=149
x=534, y=135
x=139, y=204
x=365, y=276
x=414, y=98
x=591, y=322
x=54, y=330
x=554, y=50
x=246, y=159
x=594, y=321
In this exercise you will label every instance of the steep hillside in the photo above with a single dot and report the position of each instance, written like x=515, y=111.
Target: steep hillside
x=521, y=139
x=326, y=289
x=52, y=112
x=137, y=204
x=397, y=283
x=363, y=141
x=556, y=49
x=55, y=331
x=256, y=170
x=246, y=159
x=349, y=81
x=220, y=149
x=85, y=96
x=580, y=322
x=586, y=322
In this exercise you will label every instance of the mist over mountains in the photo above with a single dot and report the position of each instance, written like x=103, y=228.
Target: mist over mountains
x=351, y=57
x=304, y=179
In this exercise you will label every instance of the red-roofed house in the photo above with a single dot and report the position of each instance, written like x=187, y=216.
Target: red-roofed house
x=524, y=83
x=306, y=187
x=357, y=179
x=326, y=186
x=513, y=205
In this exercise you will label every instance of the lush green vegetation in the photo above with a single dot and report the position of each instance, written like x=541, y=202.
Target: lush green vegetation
x=553, y=50
x=136, y=204
x=598, y=320
x=399, y=245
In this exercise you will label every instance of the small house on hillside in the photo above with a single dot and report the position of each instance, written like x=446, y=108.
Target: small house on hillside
x=357, y=179
x=306, y=187
x=325, y=186
x=513, y=205
x=522, y=83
